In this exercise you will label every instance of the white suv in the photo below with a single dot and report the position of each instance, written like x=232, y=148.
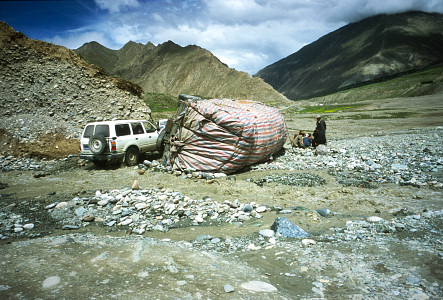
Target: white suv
x=118, y=140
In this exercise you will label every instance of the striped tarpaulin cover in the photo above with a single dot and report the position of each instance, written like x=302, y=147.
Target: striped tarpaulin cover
x=225, y=135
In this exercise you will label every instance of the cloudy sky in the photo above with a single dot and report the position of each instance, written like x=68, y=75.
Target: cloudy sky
x=247, y=35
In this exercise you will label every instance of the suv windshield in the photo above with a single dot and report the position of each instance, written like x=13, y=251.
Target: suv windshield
x=149, y=127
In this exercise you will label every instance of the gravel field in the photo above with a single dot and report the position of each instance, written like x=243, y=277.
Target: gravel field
x=371, y=208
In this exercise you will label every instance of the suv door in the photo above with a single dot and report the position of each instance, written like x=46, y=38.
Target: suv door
x=142, y=138
x=150, y=136
x=124, y=137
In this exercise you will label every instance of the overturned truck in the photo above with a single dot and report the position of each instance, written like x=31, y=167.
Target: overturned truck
x=221, y=135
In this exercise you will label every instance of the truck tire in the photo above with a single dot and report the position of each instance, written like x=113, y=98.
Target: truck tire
x=131, y=156
x=97, y=144
x=160, y=146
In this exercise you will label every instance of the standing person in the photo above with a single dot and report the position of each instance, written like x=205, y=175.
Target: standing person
x=319, y=138
x=319, y=132
x=321, y=125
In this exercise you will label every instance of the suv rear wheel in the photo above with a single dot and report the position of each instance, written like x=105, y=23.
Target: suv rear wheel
x=131, y=156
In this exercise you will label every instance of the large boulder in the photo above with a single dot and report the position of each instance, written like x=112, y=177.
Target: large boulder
x=321, y=150
x=284, y=227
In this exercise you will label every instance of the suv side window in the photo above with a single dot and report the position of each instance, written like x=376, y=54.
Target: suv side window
x=149, y=127
x=102, y=129
x=122, y=129
x=89, y=131
x=137, y=128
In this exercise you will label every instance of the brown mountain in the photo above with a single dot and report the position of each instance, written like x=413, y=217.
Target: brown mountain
x=374, y=49
x=171, y=69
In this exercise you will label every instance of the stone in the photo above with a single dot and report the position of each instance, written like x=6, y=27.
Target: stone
x=228, y=288
x=399, y=167
x=203, y=237
x=52, y=205
x=80, y=211
x=135, y=185
x=259, y=286
x=244, y=218
x=321, y=150
x=198, y=219
x=70, y=227
x=28, y=226
x=88, y=218
x=247, y=208
x=61, y=204
x=307, y=242
x=103, y=202
x=261, y=209
x=375, y=219
x=138, y=230
x=140, y=206
x=158, y=227
x=126, y=222
x=284, y=227
x=253, y=247
x=323, y=212
x=266, y=233
x=51, y=282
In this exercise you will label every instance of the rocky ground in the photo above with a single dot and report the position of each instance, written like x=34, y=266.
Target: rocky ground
x=372, y=209
x=45, y=103
x=369, y=211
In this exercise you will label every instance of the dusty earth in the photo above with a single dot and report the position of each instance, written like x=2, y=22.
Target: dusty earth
x=96, y=262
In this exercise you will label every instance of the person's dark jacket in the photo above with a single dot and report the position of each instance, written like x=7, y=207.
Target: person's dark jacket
x=319, y=137
x=321, y=125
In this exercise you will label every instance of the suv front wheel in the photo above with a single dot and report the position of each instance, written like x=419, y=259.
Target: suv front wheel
x=131, y=156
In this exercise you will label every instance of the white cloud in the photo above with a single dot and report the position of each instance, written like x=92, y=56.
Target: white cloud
x=116, y=6
x=355, y=10
x=77, y=39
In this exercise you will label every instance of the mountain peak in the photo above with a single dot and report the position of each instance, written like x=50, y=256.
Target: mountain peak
x=372, y=49
x=172, y=69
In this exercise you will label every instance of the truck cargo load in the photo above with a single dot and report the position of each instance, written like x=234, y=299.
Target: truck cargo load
x=222, y=135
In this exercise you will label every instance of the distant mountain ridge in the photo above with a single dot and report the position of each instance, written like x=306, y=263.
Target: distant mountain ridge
x=373, y=49
x=172, y=69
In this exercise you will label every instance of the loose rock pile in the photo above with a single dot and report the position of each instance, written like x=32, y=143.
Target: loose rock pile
x=150, y=209
x=41, y=166
x=400, y=158
x=41, y=95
